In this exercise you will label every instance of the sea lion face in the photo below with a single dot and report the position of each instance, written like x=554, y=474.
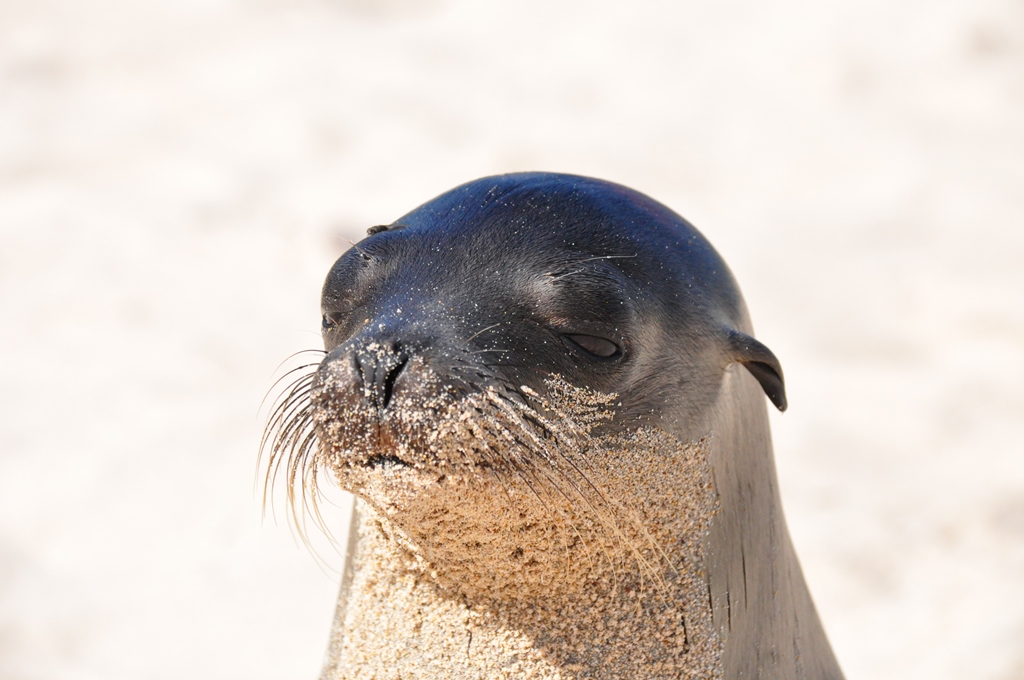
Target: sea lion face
x=402, y=302
x=503, y=283
x=468, y=306
x=416, y=324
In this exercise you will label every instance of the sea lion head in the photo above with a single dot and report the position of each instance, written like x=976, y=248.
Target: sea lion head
x=446, y=330
x=508, y=280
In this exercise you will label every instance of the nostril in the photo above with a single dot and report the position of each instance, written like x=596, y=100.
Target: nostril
x=379, y=366
x=388, y=376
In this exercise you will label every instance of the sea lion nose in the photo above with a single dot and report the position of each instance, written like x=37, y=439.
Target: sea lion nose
x=379, y=365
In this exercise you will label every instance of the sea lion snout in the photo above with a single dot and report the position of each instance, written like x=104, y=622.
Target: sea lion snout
x=376, y=396
x=379, y=373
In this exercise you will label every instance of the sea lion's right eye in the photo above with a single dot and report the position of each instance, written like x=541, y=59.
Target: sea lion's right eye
x=594, y=345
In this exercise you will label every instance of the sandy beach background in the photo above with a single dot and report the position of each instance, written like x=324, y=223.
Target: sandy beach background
x=177, y=177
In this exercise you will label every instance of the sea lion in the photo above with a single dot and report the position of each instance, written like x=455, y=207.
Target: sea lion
x=545, y=393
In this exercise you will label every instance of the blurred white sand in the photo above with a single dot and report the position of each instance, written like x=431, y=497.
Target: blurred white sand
x=176, y=178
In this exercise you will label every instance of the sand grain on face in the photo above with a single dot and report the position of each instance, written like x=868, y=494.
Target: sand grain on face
x=518, y=544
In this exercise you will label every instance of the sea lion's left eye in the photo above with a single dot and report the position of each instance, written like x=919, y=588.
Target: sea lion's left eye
x=595, y=345
x=332, y=319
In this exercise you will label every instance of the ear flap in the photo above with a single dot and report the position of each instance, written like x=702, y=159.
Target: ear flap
x=761, y=363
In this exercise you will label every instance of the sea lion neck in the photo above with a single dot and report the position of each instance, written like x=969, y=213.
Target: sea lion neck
x=540, y=582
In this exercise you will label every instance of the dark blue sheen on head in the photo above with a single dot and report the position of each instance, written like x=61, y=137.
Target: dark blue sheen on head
x=592, y=218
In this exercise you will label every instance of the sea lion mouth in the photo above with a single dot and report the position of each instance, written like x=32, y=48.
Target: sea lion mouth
x=384, y=461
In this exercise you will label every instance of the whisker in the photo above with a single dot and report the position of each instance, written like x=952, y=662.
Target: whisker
x=278, y=382
x=482, y=330
x=556, y=277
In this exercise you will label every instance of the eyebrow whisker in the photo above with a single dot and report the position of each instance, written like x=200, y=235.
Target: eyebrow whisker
x=483, y=330
x=556, y=277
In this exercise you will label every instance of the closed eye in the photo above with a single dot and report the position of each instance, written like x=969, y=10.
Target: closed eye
x=594, y=345
x=332, y=319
